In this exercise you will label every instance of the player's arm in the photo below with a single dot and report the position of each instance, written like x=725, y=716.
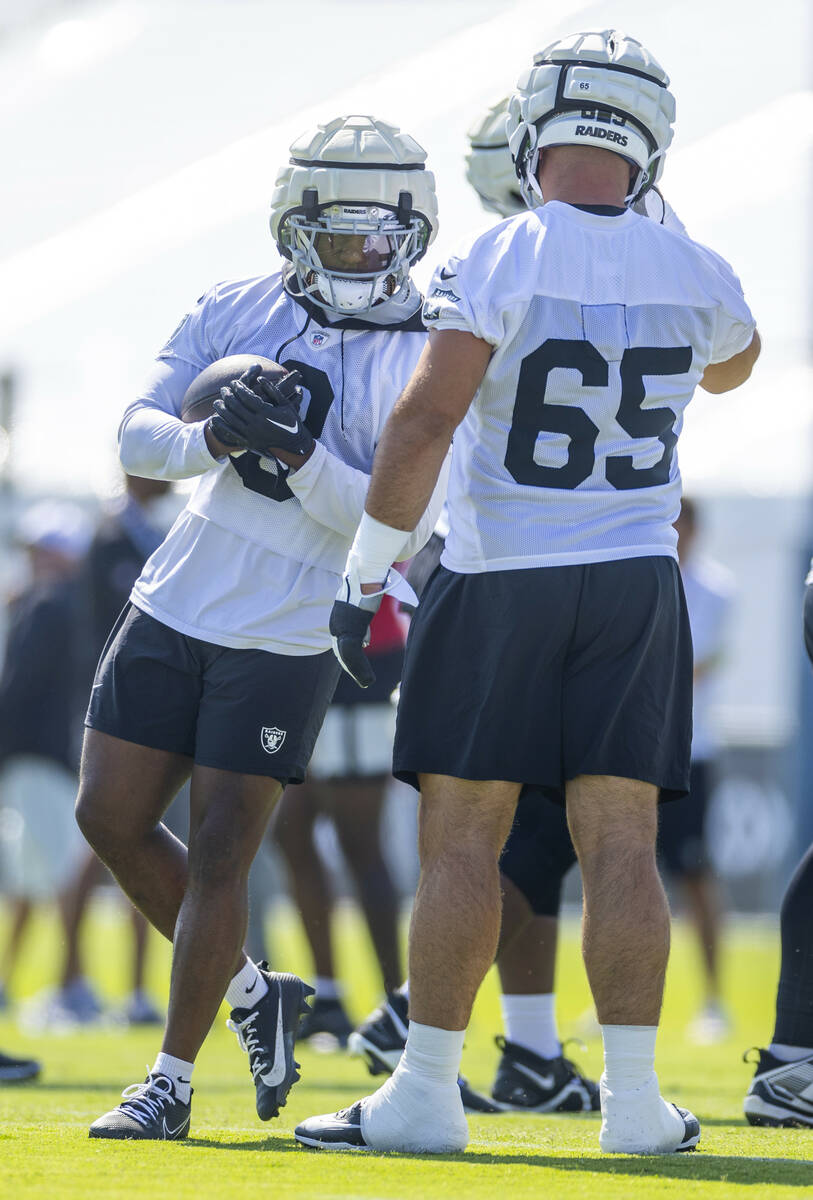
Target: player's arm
x=333, y=493
x=408, y=463
x=153, y=441
x=725, y=376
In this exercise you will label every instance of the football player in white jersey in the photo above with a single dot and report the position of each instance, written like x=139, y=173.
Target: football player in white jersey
x=552, y=647
x=533, y=1074
x=220, y=667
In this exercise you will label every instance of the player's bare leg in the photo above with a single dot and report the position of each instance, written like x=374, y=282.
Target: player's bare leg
x=73, y=903
x=356, y=807
x=124, y=790
x=625, y=940
x=229, y=814
x=455, y=926
x=292, y=830
x=533, y=1073
x=703, y=901
x=526, y=953
x=462, y=827
x=625, y=933
x=21, y=910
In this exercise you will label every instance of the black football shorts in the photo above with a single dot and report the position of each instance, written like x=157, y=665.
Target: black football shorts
x=248, y=711
x=541, y=675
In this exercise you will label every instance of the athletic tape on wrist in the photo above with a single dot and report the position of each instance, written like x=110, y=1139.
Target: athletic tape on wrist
x=375, y=548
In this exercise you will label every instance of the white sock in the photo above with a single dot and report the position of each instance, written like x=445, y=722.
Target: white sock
x=404, y=989
x=419, y=1108
x=247, y=988
x=433, y=1054
x=629, y=1056
x=327, y=989
x=178, y=1071
x=530, y=1021
x=789, y=1053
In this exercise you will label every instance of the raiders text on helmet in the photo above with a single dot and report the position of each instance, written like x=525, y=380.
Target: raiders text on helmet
x=592, y=89
x=489, y=169
x=353, y=210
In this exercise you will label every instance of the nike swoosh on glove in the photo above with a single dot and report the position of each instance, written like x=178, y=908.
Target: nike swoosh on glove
x=350, y=620
x=255, y=423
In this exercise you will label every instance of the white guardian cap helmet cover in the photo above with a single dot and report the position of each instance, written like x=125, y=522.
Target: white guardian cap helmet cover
x=353, y=210
x=489, y=168
x=592, y=89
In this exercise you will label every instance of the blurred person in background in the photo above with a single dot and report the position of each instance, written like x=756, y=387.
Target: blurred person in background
x=681, y=824
x=43, y=855
x=347, y=783
x=781, y=1092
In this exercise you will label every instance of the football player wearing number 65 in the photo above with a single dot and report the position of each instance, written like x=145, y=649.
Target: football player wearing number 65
x=220, y=667
x=551, y=647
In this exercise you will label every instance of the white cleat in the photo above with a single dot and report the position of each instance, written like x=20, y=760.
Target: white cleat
x=642, y=1122
x=401, y=1115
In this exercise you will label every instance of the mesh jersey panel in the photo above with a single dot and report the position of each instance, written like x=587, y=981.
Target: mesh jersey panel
x=602, y=327
x=352, y=379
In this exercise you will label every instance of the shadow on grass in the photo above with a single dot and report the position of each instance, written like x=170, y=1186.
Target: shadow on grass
x=280, y=1144
x=717, y=1168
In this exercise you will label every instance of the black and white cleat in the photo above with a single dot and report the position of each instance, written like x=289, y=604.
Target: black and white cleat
x=150, y=1111
x=333, y=1131
x=380, y=1040
x=327, y=1022
x=781, y=1093
x=18, y=1070
x=526, y=1082
x=267, y=1032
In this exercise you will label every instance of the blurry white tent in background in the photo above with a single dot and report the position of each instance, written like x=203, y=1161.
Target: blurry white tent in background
x=141, y=139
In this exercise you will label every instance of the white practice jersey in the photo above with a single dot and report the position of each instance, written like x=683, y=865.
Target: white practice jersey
x=602, y=326
x=254, y=559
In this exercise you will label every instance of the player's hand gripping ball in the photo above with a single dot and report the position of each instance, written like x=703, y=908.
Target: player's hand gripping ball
x=263, y=415
x=198, y=403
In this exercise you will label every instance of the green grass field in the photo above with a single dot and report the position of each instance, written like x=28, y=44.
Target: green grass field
x=45, y=1150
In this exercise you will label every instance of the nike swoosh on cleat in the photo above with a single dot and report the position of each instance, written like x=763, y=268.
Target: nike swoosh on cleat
x=277, y=1073
x=400, y=1027
x=171, y=1133
x=249, y=990
x=544, y=1081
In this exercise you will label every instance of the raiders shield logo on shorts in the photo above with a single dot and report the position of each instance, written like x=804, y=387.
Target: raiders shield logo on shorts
x=271, y=738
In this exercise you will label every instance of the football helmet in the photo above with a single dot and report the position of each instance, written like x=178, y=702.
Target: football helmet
x=353, y=210
x=592, y=89
x=489, y=168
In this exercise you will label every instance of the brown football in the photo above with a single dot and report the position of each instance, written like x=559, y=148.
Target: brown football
x=198, y=401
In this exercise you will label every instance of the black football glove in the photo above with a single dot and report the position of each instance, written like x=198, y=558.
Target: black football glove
x=258, y=414
x=350, y=620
